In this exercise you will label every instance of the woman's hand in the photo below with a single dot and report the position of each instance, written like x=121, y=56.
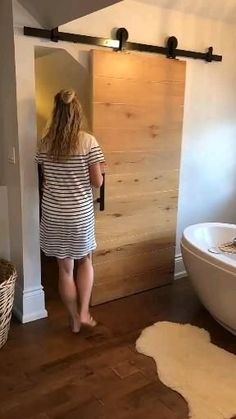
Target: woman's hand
x=95, y=173
x=103, y=167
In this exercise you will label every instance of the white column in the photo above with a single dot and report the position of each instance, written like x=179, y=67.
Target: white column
x=30, y=299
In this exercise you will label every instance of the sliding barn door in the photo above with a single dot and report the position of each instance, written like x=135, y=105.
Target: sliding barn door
x=137, y=118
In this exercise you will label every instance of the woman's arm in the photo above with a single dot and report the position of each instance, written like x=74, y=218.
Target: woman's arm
x=95, y=173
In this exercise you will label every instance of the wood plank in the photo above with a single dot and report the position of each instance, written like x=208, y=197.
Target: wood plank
x=150, y=138
x=151, y=228
x=114, y=90
x=131, y=262
x=156, y=216
x=133, y=183
x=141, y=282
x=142, y=163
x=109, y=115
x=137, y=67
x=123, y=267
x=155, y=249
x=153, y=245
x=129, y=205
x=150, y=405
x=90, y=409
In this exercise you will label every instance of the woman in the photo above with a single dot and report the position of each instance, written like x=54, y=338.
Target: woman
x=72, y=162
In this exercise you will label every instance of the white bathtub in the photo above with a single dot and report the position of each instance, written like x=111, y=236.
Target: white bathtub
x=213, y=275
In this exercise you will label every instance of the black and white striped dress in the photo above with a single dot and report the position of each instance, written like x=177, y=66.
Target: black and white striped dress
x=67, y=223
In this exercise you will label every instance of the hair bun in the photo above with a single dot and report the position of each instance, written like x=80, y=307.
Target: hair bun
x=67, y=96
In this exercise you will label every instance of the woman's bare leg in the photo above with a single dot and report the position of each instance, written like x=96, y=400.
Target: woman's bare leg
x=68, y=291
x=85, y=278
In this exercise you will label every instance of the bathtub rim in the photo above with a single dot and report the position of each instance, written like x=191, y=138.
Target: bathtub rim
x=188, y=240
x=211, y=259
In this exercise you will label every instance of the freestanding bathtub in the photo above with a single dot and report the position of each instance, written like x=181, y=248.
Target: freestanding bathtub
x=213, y=275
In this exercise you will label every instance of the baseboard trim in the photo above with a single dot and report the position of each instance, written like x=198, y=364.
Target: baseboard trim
x=29, y=305
x=180, y=271
x=23, y=318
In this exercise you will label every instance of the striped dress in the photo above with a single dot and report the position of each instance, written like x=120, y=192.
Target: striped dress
x=67, y=223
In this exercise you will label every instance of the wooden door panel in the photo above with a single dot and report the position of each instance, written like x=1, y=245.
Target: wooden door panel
x=140, y=204
x=114, y=230
x=117, y=235
x=135, y=183
x=137, y=117
x=137, y=67
x=142, y=162
x=125, y=276
x=111, y=115
x=148, y=138
x=124, y=263
x=118, y=289
x=111, y=90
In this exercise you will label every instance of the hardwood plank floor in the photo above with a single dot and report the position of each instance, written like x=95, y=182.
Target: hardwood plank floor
x=48, y=373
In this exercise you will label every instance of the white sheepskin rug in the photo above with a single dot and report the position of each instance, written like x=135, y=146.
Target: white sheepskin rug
x=190, y=364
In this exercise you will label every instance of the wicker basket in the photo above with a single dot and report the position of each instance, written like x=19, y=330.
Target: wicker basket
x=7, y=290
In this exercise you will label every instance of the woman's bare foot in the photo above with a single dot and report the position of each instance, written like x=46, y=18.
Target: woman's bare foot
x=88, y=321
x=75, y=324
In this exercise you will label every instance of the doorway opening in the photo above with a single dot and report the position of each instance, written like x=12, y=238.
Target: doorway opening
x=57, y=69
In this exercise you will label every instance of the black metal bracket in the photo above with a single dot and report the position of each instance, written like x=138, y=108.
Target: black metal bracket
x=209, y=55
x=40, y=186
x=55, y=35
x=171, y=45
x=122, y=36
x=121, y=43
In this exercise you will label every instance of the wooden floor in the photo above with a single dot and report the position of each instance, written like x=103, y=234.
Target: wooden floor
x=46, y=372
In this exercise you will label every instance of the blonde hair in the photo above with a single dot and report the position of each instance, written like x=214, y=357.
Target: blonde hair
x=62, y=136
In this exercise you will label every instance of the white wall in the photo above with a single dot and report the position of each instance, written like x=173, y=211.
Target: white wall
x=5, y=31
x=10, y=203
x=208, y=168
x=4, y=227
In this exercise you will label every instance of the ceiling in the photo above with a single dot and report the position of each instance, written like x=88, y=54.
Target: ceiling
x=213, y=9
x=53, y=13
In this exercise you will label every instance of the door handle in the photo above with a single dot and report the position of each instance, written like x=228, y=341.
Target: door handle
x=101, y=199
x=40, y=187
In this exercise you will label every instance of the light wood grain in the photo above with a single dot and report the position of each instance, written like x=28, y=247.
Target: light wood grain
x=132, y=268
x=149, y=138
x=128, y=260
x=109, y=115
x=112, y=90
x=118, y=235
x=151, y=182
x=141, y=67
x=142, y=162
x=118, y=289
x=138, y=104
x=142, y=203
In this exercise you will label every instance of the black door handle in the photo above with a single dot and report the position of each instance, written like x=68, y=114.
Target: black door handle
x=101, y=199
x=40, y=186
